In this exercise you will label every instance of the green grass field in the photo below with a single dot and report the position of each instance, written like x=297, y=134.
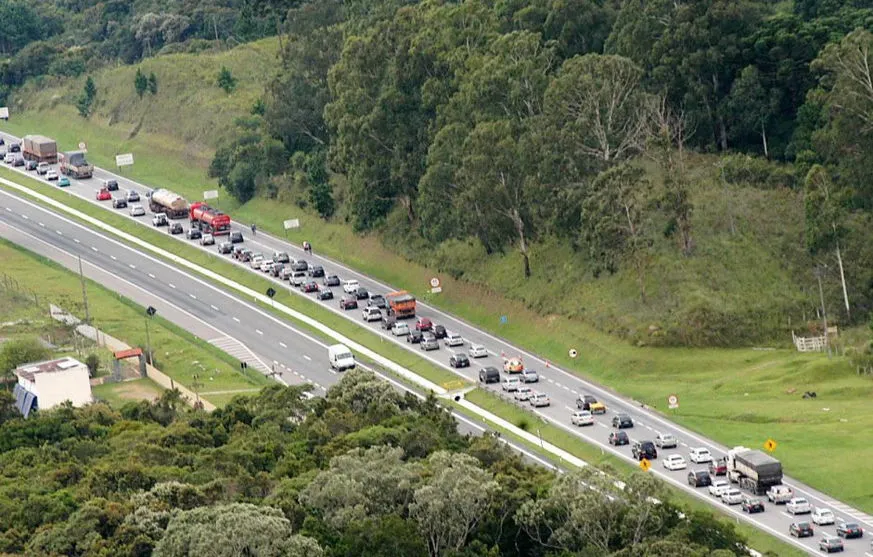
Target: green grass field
x=118, y=394
x=175, y=349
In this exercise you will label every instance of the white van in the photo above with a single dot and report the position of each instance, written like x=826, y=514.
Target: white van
x=341, y=358
x=298, y=278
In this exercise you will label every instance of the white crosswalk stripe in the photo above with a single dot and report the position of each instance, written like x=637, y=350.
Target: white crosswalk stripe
x=241, y=352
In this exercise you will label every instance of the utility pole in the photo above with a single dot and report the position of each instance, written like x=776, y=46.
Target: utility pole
x=150, y=311
x=824, y=315
x=84, y=293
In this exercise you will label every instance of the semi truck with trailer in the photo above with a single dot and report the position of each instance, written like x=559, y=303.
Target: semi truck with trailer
x=402, y=304
x=74, y=164
x=753, y=470
x=172, y=204
x=208, y=220
x=40, y=149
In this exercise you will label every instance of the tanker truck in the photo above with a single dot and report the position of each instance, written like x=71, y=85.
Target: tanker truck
x=209, y=220
x=170, y=203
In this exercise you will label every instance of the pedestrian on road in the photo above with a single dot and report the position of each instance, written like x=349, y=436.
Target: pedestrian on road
x=307, y=247
x=254, y=229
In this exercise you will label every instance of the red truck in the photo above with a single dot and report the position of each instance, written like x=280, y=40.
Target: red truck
x=402, y=303
x=209, y=220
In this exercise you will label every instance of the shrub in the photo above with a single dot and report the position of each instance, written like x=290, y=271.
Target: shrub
x=93, y=363
x=758, y=172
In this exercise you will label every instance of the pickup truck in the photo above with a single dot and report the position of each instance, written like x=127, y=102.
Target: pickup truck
x=780, y=494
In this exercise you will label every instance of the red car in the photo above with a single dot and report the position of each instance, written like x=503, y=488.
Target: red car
x=103, y=195
x=423, y=324
x=718, y=467
x=310, y=286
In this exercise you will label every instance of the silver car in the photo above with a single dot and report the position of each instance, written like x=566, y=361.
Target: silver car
x=137, y=211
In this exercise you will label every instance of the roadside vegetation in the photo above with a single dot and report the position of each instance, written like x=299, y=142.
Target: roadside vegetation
x=363, y=471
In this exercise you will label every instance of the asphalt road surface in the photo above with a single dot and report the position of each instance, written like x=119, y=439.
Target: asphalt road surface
x=562, y=387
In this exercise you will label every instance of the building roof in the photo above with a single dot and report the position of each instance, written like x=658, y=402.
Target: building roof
x=29, y=371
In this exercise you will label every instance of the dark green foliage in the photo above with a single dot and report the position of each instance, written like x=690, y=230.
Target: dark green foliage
x=17, y=352
x=140, y=83
x=85, y=102
x=93, y=363
x=153, y=83
x=225, y=80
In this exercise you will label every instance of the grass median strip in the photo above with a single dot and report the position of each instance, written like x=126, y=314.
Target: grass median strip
x=233, y=272
x=178, y=353
x=524, y=419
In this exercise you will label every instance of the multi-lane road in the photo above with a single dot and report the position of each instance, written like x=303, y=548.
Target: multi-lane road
x=271, y=339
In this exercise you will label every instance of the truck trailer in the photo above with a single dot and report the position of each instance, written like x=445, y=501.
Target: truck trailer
x=402, y=303
x=753, y=470
x=40, y=149
x=208, y=220
x=172, y=204
x=74, y=164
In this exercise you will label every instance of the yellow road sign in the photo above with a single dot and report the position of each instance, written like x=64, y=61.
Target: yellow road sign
x=645, y=464
x=770, y=445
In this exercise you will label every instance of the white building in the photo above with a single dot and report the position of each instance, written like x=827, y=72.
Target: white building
x=44, y=385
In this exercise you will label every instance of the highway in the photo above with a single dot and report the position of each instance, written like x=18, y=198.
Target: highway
x=272, y=343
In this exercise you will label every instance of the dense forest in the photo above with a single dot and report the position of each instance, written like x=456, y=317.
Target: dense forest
x=362, y=471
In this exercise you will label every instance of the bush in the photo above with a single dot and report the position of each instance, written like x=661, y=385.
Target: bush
x=758, y=172
x=93, y=363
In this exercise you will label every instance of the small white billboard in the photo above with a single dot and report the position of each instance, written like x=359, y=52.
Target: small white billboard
x=124, y=160
x=292, y=223
x=4, y=113
x=210, y=194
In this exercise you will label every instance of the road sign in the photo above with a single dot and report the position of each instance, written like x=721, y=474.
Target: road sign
x=503, y=320
x=770, y=445
x=210, y=194
x=645, y=464
x=4, y=112
x=271, y=292
x=573, y=353
x=291, y=223
x=673, y=402
x=82, y=146
x=124, y=160
x=436, y=290
x=434, y=282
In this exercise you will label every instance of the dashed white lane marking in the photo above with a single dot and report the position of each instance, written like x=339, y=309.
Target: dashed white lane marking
x=151, y=275
x=260, y=332
x=41, y=224
x=214, y=307
x=59, y=233
x=236, y=319
x=786, y=514
x=282, y=344
x=131, y=265
x=193, y=297
x=602, y=425
x=94, y=248
x=25, y=217
x=171, y=285
x=77, y=240
x=112, y=257
x=9, y=209
x=307, y=358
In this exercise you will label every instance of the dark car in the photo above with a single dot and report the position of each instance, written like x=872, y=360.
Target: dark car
x=30, y=165
x=801, y=529
x=348, y=302
x=176, y=228
x=225, y=248
x=618, y=438
x=423, y=324
x=310, y=286
x=236, y=237
x=300, y=265
x=316, y=271
x=428, y=343
x=362, y=294
x=15, y=147
x=459, y=360
x=622, y=421
x=377, y=300
x=119, y=203
x=388, y=320
x=276, y=269
x=849, y=530
x=718, y=467
x=325, y=294
x=752, y=505
x=132, y=196
x=193, y=234
x=281, y=257
x=246, y=255
x=489, y=375
x=830, y=544
x=644, y=449
x=111, y=185
x=331, y=280
x=414, y=337
x=439, y=331
x=584, y=402
x=699, y=478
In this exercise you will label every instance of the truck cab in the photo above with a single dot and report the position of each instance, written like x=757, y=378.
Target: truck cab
x=340, y=357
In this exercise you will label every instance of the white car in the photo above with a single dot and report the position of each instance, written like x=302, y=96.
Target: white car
x=137, y=211
x=350, y=286
x=454, y=339
x=400, y=329
x=266, y=265
x=666, y=441
x=209, y=240
x=9, y=157
x=51, y=175
x=718, y=487
x=823, y=516
x=675, y=462
x=523, y=393
x=511, y=384
x=798, y=505
x=43, y=168
x=732, y=496
x=582, y=417
x=700, y=455
x=371, y=313
x=478, y=351
x=297, y=278
x=538, y=400
x=256, y=261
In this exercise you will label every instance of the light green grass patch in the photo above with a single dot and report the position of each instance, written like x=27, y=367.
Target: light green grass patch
x=119, y=394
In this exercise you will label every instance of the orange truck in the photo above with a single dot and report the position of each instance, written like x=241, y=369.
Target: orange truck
x=402, y=303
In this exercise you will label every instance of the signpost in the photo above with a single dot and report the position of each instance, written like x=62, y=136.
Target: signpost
x=290, y=223
x=210, y=194
x=770, y=445
x=673, y=402
x=645, y=464
x=573, y=353
x=83, y=146
x=4, y=113
x=435, y=287
x=124, y=160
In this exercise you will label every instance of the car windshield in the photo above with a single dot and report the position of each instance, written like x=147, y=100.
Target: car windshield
x=850, y=525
